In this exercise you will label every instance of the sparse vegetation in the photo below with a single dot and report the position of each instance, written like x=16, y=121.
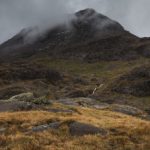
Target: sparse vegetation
x=41, y=101
x=124, y=132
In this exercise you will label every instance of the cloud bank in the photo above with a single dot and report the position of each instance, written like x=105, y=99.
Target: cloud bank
x=18, y=14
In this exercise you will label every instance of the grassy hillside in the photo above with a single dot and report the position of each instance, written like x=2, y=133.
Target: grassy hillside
x=102, y=72
x=122, y=132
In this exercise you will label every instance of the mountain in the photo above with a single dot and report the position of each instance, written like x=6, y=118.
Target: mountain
x=85, y=83
x=88, y=36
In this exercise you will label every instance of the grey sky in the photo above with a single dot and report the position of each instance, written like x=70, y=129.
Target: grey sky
x=17, y=14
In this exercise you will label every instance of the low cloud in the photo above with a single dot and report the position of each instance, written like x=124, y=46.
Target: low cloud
x=18, y=14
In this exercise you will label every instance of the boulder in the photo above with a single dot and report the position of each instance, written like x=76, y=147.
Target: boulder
x=81, y=101
x=2, y=130
x=16, y=106
x=22, y=106
x=81, y=129
x=42, y=101
x=40, y=128
x=28, y=97
x=125, y=109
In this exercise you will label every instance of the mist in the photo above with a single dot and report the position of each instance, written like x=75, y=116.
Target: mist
x=18, y=14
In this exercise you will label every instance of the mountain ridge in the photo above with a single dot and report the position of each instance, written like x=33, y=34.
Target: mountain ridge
x=86, y=28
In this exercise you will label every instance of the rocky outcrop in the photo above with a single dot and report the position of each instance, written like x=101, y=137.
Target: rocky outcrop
x=136, y=82
x=28, y=97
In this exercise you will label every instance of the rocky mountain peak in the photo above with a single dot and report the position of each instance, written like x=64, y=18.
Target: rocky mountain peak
x=96, y=21
x=88, y=36
x=86, y=12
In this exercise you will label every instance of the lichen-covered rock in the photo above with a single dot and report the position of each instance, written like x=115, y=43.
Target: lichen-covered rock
x=23, y=97
x=42, y=101
x=40, y=128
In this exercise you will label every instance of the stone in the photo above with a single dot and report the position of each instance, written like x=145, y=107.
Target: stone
x=16, y=106
x=102, y=106
x=67, y=101
x=22, y=106
x=81, y=129
x=23, y=97
x=129, y=110
x=42, y=101
x=40, y=128
x=2, y=130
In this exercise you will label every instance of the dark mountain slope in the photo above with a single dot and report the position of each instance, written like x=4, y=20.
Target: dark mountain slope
x=136, y=82
x=88, y=36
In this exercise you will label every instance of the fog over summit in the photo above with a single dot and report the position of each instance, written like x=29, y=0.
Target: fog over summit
x=18, y=14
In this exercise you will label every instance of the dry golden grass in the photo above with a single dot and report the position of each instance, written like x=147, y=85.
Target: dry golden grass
x=124, y=132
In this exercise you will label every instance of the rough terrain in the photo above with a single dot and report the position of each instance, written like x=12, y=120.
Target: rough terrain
x=82, y=87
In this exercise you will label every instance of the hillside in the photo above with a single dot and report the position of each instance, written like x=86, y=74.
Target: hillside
x=84, y=84
x=83, y=128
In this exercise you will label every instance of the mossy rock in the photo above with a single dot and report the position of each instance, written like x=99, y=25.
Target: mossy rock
x=28, y=97
x=42, y=101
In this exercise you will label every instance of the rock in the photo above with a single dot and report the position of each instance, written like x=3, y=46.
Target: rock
x=16, y=106
x=40, y=128
x=80, y=129
x=80, y=101
x=23, y=106
x=69, y=102
x=2, y=130
x=127, y=110
x=23, y=97
x=54, y=125
x=42, y=101
x=102, y=106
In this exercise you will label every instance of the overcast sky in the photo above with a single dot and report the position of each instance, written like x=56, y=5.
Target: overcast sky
x=18, y=14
